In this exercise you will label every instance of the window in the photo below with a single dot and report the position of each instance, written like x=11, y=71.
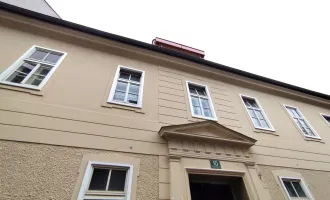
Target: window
x=326, y=117
x=301, y=122
x=106, y=181
x=257, y=115
x=127, y=88
x=295, y=188
x=200, y=101
x=33, y=69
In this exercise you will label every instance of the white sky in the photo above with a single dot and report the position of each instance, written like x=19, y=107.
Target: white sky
x=286, y=40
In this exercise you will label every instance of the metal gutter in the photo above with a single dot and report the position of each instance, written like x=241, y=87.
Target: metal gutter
x=128, y=41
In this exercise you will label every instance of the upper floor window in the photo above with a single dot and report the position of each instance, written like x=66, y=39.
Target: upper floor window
x=295, y=188
x=33, y=69
x=200, y=101
x=127, y=88
x=301, y=122
x=256, y=113
x=106, y=181
x=326, y=117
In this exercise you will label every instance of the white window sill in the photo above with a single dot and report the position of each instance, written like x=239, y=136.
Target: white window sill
x=21, y=85
x=265, y=129
x=207, y=118
x=311, y=137
x=125, y=104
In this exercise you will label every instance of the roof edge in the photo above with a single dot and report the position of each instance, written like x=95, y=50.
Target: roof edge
x=136, y=43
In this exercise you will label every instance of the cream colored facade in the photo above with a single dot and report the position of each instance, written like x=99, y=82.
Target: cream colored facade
x=48, y=136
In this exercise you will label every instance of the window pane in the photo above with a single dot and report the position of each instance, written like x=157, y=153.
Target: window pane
x=132, y=98
x=117, y=180
x=134, y=89
x=259, y=114
x=135, y=77
x=205, y=103
x=16, y=77
x=301, y=126
x=99, y=179
x=290, y=189
x=291, y=112
x=246, y=102
x=251, y=103
x=124, y=75
x=26, y=67
x=327, y=118
x=195, y=101
x=201, y=91
x=197, y=110
x=35, y=80
x=295, y=112
x=52, y=58
x=119, y=96
x=251, y=112
x=121, y=86
x=43, y=70
x=299, y=189
x=38, y=55
x=207, y=113
x=264, y=123
x=192, y=90
x=256, y=122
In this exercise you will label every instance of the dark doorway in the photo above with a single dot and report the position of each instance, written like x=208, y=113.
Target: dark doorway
x=208, y=187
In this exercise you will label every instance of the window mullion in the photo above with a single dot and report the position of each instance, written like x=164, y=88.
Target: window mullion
x=294, y=189
x=256, y=116
x=46, y=56
x=200, y=105
x=108, y=181
x=31, y=73
x=126, y=93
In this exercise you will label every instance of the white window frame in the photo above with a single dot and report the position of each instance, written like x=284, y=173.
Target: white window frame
x=302, y=184
x=88, y=176
x=214, y=118
x=271, y=127
x=323, y=117
x=303, y=117
x=114, y=85
x=4, y=75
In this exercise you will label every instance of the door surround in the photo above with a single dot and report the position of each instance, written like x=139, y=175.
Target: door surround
x=192, y=145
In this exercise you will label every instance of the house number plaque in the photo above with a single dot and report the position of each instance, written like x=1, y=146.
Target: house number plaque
x=215, y=164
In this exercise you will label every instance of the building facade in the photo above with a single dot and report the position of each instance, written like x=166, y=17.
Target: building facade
x=89, y=115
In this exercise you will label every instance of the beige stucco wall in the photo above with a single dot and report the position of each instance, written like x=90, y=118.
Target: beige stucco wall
x=37, y=171
x=317, y=182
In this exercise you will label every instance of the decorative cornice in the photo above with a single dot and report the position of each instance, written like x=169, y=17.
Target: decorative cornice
x=219, y=134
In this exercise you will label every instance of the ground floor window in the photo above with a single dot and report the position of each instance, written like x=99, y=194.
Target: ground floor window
x=295, y=188
x=110, y=181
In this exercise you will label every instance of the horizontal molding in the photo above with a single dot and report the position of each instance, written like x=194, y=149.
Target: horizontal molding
x=162, y=72
x=291, y=163
x=170, y=85
x=34, y=135
x=172, y=104
x=172, y=112
x=74, y=114
x=171, y=91
x=169, y=79
x=314, y=148
x=56, y=124
x=284, y=153
x=171, y=97
x=170, y=120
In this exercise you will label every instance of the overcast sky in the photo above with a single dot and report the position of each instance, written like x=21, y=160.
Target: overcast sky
x=286, y=40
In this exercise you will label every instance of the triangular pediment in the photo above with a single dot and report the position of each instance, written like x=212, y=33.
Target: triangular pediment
x=206, y=130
